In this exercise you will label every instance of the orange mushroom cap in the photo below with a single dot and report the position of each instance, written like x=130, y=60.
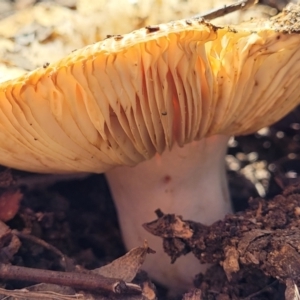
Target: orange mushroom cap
x=120, y=101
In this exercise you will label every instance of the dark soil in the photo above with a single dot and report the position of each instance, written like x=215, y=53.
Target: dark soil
x=256, y=248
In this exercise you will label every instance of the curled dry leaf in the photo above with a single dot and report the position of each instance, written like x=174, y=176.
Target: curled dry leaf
x=174, y=232
x=127, y=266
x=169, y=226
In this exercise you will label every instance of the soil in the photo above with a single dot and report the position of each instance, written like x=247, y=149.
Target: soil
x=259, y=257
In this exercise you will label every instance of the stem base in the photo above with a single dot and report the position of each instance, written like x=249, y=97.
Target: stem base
x=189, y=181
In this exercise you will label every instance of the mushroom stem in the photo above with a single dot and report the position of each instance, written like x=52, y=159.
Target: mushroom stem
x=190, y=181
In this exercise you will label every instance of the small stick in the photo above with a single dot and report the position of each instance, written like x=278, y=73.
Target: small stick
x=261, y=290
x=66, y=262
x=38, y=241
x=76, y=280
x=226, y=9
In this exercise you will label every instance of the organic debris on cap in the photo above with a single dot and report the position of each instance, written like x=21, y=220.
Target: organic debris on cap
x=288, y=20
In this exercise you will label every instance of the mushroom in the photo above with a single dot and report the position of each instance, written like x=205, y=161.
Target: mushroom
x=154, y=110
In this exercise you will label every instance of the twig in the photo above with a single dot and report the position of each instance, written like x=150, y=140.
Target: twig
x=77, y=280
x=38, y=241
x=67, y=263
x=260, y=291
x=226, y=9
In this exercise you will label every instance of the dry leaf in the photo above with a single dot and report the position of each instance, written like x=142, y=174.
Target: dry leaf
x=127, y=266
x=9, y=204
x=148, y=291
x=292, y=291
x=193, y=295
x=170, y=226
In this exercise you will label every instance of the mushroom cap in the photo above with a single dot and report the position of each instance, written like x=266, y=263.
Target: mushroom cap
x=120, y=101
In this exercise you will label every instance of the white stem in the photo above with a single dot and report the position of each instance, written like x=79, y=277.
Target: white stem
x=189, y=181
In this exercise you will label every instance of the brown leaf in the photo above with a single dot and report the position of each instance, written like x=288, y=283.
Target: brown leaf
x=148, y=291
x=127, y=266
x=170, y=226
x=9, y=204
